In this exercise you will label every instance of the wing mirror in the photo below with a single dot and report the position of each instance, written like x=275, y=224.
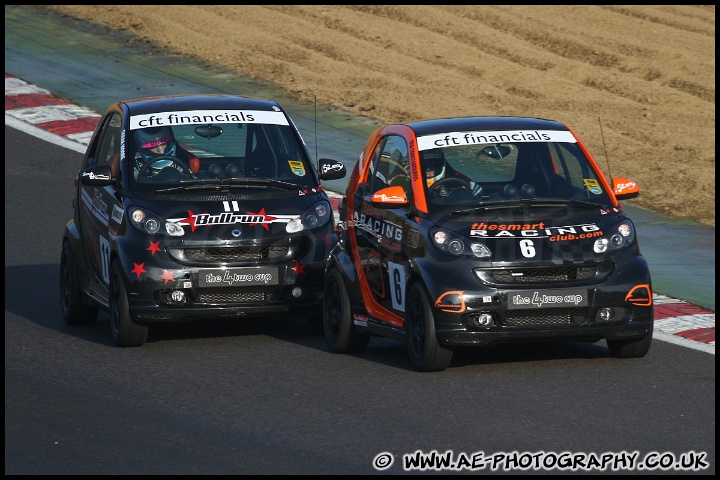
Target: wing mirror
x=624, y=188
x=99, y=176
x=331, y=169
x=389, y=197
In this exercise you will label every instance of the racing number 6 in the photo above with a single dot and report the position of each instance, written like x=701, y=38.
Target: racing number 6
x=527, y=248
x=397, y=285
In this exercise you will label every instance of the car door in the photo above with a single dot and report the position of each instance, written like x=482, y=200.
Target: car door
x=98, y=205
x=379, y=232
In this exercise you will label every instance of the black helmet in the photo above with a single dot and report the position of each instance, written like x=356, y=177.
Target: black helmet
x=151, y=137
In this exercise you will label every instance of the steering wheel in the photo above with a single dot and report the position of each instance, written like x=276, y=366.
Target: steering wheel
x=176, y=161
x=446, y=183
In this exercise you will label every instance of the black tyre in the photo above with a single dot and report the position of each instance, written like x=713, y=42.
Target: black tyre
x=634, y=348
x=337, y=317
x=124, y=331
x=425, y=352
x=74, y=310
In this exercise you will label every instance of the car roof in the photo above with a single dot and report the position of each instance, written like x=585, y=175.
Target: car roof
x=140, y=106
x=482, y=123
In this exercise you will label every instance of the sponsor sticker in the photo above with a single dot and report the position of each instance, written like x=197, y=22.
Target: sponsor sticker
x=237, y=277
x=455, y=139
x=206, y=117
x=297, y=168
x=592, y=185
x=528, y=299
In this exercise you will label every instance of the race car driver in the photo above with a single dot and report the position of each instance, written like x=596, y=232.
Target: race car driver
x=154, y=142
x=437, y=168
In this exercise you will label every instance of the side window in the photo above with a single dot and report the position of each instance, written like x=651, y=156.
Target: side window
x=390, y=164
x=108, y=150
x=569, y=167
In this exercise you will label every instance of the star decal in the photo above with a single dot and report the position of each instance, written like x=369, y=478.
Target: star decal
x=139, y=268
x=326, y=238
x=191, y=220
x=154, y=247
x=299, y=268
x=266, y=219
x=166, y=275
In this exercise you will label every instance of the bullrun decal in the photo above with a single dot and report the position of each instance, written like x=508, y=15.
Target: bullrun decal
x=231, y=216
x=452, y=302
x=640, y=296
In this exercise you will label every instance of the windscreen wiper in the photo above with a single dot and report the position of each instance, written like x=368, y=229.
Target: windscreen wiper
x=535, y=202
x=228, y=183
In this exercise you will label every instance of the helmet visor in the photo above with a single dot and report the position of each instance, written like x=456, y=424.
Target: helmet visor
x=156, y=143
x=433, y=162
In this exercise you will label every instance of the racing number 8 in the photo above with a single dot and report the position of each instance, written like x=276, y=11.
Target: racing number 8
x=527, y=248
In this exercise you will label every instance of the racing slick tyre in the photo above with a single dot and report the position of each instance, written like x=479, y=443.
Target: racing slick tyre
x=124, y=331
x=337, y=317
x=425, y=352
x=634, y=348
x=74, y=310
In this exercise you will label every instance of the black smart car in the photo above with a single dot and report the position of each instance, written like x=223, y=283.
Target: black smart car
x=468, y=232
x=195, y=207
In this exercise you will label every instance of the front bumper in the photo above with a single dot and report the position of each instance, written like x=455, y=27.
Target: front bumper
x=193, y=282
x=491, y=314
x=156, y=301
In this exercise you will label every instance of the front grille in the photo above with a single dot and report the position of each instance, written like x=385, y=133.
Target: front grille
x=278, y=252
x=577, y=275
x=225, y=295
x=632, y=332
x=547, y=317
x=230, y=254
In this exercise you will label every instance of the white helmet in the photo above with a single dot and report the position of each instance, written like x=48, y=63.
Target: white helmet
x=433, y=159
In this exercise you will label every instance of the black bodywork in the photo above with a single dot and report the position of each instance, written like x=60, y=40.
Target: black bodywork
x=252, y=226
x=526, y=258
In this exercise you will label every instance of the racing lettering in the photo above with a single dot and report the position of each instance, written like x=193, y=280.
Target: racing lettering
x=558, y=238
x=227, y=218
x=538, y=230
x=382, y=228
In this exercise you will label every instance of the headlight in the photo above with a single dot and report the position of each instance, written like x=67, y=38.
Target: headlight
x=620, y=237
x=453, y=244
x=316, y=216
x=149, y=222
